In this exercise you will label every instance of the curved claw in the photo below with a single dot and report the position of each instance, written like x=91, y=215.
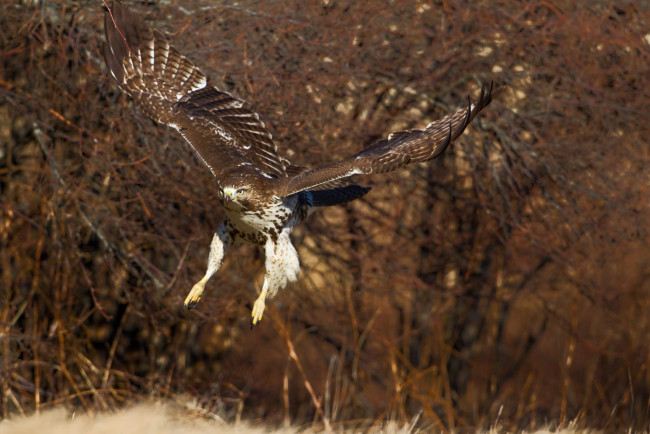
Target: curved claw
x=258, y=311
x=195, y=294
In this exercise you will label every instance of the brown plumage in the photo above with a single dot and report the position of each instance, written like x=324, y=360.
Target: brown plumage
x=264, y=195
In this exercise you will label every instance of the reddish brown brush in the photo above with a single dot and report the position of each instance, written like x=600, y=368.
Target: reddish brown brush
x=505, y=282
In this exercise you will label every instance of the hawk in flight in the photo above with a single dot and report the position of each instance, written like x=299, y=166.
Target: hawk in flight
x=264, y=195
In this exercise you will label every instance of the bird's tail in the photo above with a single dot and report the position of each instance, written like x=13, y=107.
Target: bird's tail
x=336, y=196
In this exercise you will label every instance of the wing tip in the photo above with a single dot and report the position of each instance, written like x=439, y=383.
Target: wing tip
x=483, y=100
x=486, y=97
x=115, y=48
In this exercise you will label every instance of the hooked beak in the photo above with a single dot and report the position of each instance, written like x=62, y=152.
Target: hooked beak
x=227, y=198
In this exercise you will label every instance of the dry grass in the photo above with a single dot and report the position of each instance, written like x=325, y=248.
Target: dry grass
x=142, y=419
x=506, y=281
x=160, y=418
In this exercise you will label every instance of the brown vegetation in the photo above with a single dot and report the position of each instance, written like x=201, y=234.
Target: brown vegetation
x=507, y=281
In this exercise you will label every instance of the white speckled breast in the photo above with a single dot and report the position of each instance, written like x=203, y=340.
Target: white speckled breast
x=256, y=225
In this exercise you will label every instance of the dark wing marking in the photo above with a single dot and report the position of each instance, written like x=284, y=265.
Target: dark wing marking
x=335, y=192
x=172, y=91
x=401, y=148
x=338, y=195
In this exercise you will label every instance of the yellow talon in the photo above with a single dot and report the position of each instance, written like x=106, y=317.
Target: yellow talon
x=194, y=296
x=258, y=309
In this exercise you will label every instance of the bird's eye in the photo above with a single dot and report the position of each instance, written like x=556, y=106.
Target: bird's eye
x=241, y=191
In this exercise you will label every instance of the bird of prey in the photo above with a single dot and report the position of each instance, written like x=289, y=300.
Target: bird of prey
x=264, y=195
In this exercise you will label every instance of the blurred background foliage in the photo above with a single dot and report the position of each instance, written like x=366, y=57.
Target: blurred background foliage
x=508, y=280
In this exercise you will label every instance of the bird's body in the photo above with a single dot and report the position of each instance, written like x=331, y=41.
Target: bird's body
x=264, y=195
x=264, y=222
x=256, y=221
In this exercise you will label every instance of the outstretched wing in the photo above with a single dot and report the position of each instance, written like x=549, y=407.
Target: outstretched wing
x=401, y=148
x=172, y=91
x=331, y=193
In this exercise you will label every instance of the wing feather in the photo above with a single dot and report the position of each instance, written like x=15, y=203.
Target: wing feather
x=401, y=148
x=172, y=91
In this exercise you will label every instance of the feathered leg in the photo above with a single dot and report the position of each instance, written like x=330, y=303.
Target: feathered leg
x=220, y=244
x=282, y=266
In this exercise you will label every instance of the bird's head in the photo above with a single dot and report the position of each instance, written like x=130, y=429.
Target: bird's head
x=234, y=196
x=244, y=189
